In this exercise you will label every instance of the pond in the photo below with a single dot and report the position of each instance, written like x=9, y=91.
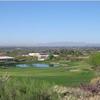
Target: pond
x=39, y=65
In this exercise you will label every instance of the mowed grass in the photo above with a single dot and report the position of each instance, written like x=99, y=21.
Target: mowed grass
x=58, y=75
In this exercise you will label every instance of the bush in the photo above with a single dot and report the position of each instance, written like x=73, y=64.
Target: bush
x=95, y=81
x=93, y=88
x=94, y=60
x=25, y=89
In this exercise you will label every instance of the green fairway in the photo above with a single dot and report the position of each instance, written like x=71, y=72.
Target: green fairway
x=57, y=75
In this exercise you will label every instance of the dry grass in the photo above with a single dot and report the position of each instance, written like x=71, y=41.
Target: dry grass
x=65, y=93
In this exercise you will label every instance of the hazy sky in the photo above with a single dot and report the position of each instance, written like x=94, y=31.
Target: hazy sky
x=26, y=23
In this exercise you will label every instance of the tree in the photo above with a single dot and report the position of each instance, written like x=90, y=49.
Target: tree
x=94, y=60
x=25, y=58
x=50, y=56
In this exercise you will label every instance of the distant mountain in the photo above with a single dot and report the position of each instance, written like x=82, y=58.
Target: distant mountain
x=56, y=44
x=69, y=44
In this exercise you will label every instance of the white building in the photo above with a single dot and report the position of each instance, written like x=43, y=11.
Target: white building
x=6, y=58
x=34, y=54
x=41, y=56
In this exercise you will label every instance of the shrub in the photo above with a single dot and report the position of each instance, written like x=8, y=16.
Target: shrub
x=94, y=60
x=93, y=87
x=25, y=89
x=95, y=81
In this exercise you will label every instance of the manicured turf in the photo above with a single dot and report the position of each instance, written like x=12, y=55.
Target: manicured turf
x=59, y=75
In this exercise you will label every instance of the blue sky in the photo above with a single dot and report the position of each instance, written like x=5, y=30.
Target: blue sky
x=27, y=23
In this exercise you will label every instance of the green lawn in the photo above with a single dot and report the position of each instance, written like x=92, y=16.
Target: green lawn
x=58, y=75
x=37, y=83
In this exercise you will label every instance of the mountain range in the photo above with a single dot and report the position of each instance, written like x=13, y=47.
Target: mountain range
x=69, y=44
x=55, y=44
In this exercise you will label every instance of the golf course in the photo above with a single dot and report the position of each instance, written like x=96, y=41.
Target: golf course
x=68, y=74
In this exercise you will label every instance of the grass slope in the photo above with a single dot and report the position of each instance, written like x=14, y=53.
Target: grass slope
x=58, y=75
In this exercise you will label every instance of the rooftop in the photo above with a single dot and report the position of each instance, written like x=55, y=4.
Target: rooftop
x=6, y=57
